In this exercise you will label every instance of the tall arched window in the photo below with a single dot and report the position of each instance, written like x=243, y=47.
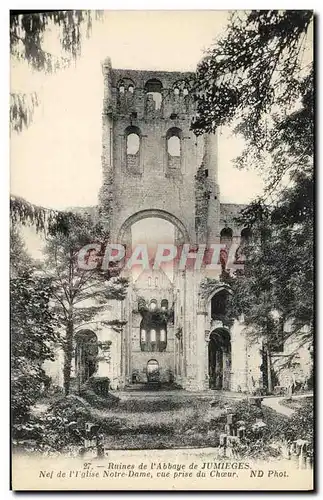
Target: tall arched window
x=143, y=337
x=153, y=334
x=174, y=148
x=154, y=94
x=181, y=88
x=164, y=304
x=219, y=304
x=125, y=86
x=173, y=137
x=226, y=236
x=133, y=143
x=244, y=238
x=125, y=96
x=245, y=235
x=132, y=146
x=153, y=304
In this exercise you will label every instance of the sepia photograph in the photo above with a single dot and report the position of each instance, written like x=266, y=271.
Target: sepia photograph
x=162, y=250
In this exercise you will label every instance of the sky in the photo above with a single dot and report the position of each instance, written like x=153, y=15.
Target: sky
x=56, y=162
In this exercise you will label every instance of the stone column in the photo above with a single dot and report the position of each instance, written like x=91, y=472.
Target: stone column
x=202, y=352
x=104, y=370
x=239, y=362
x=206, y=359
x=210, y=156
x=211, y=164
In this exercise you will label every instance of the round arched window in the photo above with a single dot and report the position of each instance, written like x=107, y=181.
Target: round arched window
x=133, y=143
x=153, y=305
x=164, y=304
x=226, y=236
x=152, y=335
x=173, y=138
x=154, y=89
x=174, y=146
x=245, y=235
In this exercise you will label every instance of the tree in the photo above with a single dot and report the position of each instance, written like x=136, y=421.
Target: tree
x=259, y=79
x=45, y=220
x=253, y=78
x=27, y=31
x=79, y=295
x=32, y=326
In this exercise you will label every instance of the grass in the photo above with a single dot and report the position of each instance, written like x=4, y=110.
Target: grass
x=157, y=421
x=160, y=422
x=295, y=404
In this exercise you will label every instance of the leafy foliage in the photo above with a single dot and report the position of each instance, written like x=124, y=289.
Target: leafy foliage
x=22, y=108
x=27, y=32
x=79, y=295
x=259, y=78
x=300, y=425
x=279, y=271
x=59, y=428
x=43, y=219
x=32, y=324
x=156, y=315
x=202, y=193
x=254, y=78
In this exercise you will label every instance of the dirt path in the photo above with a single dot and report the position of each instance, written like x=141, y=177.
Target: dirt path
x=276, y=404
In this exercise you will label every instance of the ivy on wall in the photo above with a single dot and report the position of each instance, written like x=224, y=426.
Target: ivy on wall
x=106, y=195
x=179, y=333
x=202, y=192
x=209, y=286
x=157, y=315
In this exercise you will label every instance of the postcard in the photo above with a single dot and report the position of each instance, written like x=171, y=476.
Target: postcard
x=161, y=256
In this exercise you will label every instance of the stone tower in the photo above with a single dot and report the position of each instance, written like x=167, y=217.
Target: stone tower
x=150, y=157
x=154, y=166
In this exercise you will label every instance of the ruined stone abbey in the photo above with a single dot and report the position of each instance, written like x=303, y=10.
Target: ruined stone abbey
x=155, y=167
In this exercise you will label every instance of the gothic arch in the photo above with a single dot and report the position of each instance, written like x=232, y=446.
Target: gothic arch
x=86, y=352
x=174, y=144
x=219, y=347
x=219, y=289
x=226, y=236
x=152, y=213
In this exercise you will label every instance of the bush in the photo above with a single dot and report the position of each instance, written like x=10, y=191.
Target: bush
x=60, y=428
x=96, y=401
x=301, y=425
x=280, y=431
x=99, y=385
x=25, y=390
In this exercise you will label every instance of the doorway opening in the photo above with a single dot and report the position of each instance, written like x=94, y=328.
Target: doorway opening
x=153, y=370
x=220, y=360
x=86, y=353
